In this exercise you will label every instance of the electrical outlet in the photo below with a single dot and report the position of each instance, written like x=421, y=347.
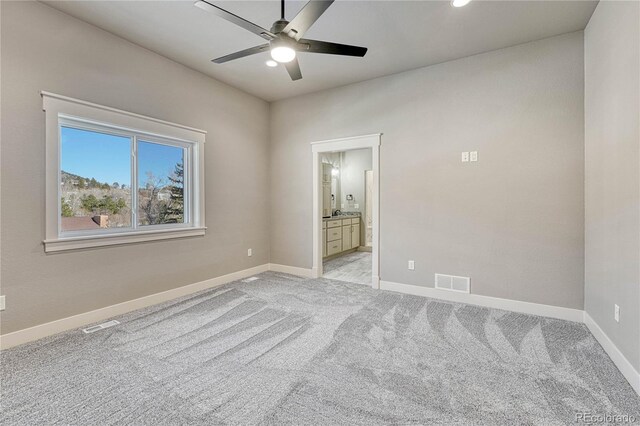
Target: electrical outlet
x=249, y=252
x=474, y=155
x=356, y=206
x=465, y=157
x=411, y=265
x=1, y=303
x=616, y=313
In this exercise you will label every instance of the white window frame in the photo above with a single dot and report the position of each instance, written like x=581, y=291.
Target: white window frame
x=68, y=112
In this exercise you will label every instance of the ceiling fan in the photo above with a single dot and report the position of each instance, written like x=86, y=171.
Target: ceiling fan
x=285, y=38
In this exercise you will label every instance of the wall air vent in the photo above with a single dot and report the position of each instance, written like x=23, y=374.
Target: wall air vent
x=453, y=283
x=99, y=327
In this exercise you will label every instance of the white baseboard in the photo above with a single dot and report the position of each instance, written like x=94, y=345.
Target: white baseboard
x=315, y=273
x=43, y=330
x=623, y=364
x=293, y=270
x=487, y=301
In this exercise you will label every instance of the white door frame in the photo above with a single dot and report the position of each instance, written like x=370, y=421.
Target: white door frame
x=337, y=145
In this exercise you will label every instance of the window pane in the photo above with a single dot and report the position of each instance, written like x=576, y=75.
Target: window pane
x=95, y=180
x=160, y=184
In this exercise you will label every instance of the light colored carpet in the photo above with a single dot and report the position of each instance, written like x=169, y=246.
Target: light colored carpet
x=352, y=267
x=287, y=350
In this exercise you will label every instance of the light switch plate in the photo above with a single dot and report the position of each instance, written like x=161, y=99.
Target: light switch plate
x=1, y=303
x=249, y=252
x=411, y=265
x=616, y=313
x=356, y=206
x=465, y=157
x=474, y=155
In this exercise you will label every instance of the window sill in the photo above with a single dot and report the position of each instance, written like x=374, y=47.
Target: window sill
x=77, y=243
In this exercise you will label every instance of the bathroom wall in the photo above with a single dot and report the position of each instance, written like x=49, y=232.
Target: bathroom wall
x=352, y=178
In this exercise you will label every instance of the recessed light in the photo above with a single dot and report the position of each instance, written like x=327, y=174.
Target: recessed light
x=271, y=63
x=459, y=3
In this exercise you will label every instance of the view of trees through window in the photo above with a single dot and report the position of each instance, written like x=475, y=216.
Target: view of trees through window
x=160, y=188
x=96, y=180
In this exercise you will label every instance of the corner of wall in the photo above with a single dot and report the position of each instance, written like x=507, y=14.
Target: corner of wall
x=269, y=160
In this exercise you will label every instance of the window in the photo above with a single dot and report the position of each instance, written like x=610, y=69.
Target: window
x=95, y=180
x=119, y=177
x=160, y=184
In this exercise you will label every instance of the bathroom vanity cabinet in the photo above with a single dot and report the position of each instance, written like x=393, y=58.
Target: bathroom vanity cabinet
x=340, y=234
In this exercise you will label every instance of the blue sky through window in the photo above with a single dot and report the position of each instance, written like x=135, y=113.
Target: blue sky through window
x=158, y=159
x=88, y=154
x=107, y=158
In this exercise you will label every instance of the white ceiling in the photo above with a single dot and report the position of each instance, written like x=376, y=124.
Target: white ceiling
x=400, y=35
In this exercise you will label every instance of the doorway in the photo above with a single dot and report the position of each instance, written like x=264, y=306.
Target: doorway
x=346, y=234
x=344, y=252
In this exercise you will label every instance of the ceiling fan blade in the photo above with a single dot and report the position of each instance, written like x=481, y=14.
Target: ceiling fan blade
x=235, y=19
x=306, y=17
x=241, y=54
x=317, y=46
x=293, y=68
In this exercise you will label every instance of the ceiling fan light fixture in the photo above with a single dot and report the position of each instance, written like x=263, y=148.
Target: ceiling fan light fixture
x=460, y=3
x=283, y=54
x=285, y=38
x=271, y=63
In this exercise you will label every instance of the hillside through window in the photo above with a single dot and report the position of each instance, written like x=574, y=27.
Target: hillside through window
x=95, y=180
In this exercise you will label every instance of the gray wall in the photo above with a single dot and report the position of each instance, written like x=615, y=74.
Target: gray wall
x=43, y=49
x=513, y=222
x=612, y=172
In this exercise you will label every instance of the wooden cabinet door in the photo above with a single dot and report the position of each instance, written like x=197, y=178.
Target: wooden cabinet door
x=334, y=234
x=346, y=237
x=334, y=247
x=326, y=173
x=326, y=200
x=324, y=243
x=355, y=235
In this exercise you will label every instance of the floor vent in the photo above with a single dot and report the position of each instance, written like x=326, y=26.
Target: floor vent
x=453, y=283
x=248, y=280
x=99, y=327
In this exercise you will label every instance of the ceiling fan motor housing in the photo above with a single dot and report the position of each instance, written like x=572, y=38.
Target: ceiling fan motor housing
x=279, y=25
x=282, y=39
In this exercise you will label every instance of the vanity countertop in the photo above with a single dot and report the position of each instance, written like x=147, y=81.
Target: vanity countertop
x=342, y=216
